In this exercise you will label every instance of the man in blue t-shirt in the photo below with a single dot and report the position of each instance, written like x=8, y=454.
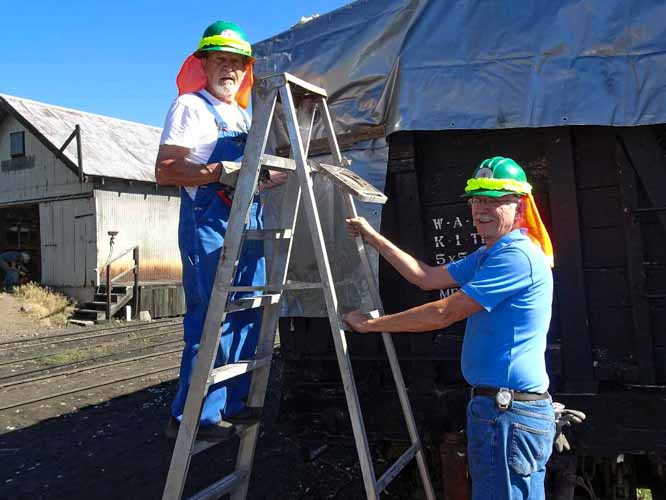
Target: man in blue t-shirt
x=506, y=291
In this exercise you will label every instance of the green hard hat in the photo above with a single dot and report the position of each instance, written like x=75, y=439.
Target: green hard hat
x=224, y=36
x=498, y=176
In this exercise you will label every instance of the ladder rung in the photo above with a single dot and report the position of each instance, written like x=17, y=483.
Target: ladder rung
x=353, y=183
x=253, y=302
x=268, y=234
x=248, y=288
x=290, y=285
x=235, y=369
x=221, y=487
x=288, y=164
x=395, y=469
x=201, y=445
x=277, y=162
x=302, y=285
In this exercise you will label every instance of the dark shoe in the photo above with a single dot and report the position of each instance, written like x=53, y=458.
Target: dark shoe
x=249, y=416
x=221, y=431
x=171, y=429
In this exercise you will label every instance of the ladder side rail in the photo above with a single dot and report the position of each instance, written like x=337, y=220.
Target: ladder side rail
x=326, y=277
x=248, y=177
x=394, y=362
x=377, y=301
x=277, y=274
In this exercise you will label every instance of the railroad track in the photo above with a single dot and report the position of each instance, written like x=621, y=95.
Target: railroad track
x=97, y=342
x=59, y=394
x=87, y=334
x=83, y=365
x=147, y=351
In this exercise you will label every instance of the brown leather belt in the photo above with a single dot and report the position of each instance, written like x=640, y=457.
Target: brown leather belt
x=516, y=395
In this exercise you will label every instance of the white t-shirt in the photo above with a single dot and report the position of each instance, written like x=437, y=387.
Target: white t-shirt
x=190, y=124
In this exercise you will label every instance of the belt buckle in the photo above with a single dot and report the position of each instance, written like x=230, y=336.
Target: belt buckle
x=504, y=398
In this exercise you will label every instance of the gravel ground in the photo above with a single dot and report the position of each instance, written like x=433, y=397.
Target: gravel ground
x=79, y=439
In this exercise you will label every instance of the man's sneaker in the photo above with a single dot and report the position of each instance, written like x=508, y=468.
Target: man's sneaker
x=249, y=416
x=221, y=431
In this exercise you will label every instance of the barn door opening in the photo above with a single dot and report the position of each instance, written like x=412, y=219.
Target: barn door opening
x=19, y=230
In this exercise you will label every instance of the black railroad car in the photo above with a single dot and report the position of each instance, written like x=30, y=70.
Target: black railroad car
x=602, y=194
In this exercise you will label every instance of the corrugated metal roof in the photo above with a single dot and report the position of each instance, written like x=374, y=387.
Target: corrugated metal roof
x=111, y=147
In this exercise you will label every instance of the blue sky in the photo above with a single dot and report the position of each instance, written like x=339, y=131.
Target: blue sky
x=120, y=58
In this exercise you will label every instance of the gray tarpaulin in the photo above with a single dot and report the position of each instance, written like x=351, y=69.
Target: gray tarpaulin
x=480, y=64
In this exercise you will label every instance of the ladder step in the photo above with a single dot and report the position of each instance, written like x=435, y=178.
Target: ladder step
x=243, y=288
x=253, y=302
x=303, y=86
x=395, y=469
x=302, y=285
x=277, y=163
x=221, y=487
x=290, y=285
x=235, y=369
x=354, y=184
x=298, y=86
x=201, y=445
x=268, y=234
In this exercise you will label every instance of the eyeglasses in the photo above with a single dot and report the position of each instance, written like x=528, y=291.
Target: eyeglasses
x=487, y=201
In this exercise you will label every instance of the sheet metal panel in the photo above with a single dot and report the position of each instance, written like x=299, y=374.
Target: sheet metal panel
x=67, y=232
x=41, y=176
x=149, y=220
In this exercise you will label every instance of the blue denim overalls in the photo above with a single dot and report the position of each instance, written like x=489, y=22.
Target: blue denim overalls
x=201, y=230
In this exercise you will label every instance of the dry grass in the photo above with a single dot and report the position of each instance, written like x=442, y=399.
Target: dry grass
x=49, y=307
x=75, y=355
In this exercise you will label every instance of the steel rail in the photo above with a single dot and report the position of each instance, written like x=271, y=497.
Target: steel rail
x=86, y=368
x=86, y=388
x=47, y=339
x=88, y=347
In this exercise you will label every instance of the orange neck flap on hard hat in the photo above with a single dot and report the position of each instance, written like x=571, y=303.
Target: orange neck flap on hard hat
x=191, y=78
x=536, y=231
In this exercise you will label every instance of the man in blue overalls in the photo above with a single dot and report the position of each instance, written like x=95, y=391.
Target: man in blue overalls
x=205, y=125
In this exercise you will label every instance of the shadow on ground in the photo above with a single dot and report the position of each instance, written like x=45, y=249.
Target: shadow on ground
x=116, y=449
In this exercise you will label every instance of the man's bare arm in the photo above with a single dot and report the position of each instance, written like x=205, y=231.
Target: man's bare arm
x=413, y=270
x=172, y=169
x=428, y=317
x=278, y=178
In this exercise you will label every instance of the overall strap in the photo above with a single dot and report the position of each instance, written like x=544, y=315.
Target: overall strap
x=221, y=124
x=246, y=118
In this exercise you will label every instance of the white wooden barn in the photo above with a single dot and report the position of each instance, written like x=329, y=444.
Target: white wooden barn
x=67, y=179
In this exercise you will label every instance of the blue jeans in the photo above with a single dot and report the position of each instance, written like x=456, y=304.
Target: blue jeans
x=11, y=275
x=508, y=449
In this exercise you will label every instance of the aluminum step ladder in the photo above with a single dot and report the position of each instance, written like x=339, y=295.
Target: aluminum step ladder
x=289, y=90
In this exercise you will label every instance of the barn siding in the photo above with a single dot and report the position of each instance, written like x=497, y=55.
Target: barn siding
x=149, y=220
x=67, y=232
x=48, y=178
